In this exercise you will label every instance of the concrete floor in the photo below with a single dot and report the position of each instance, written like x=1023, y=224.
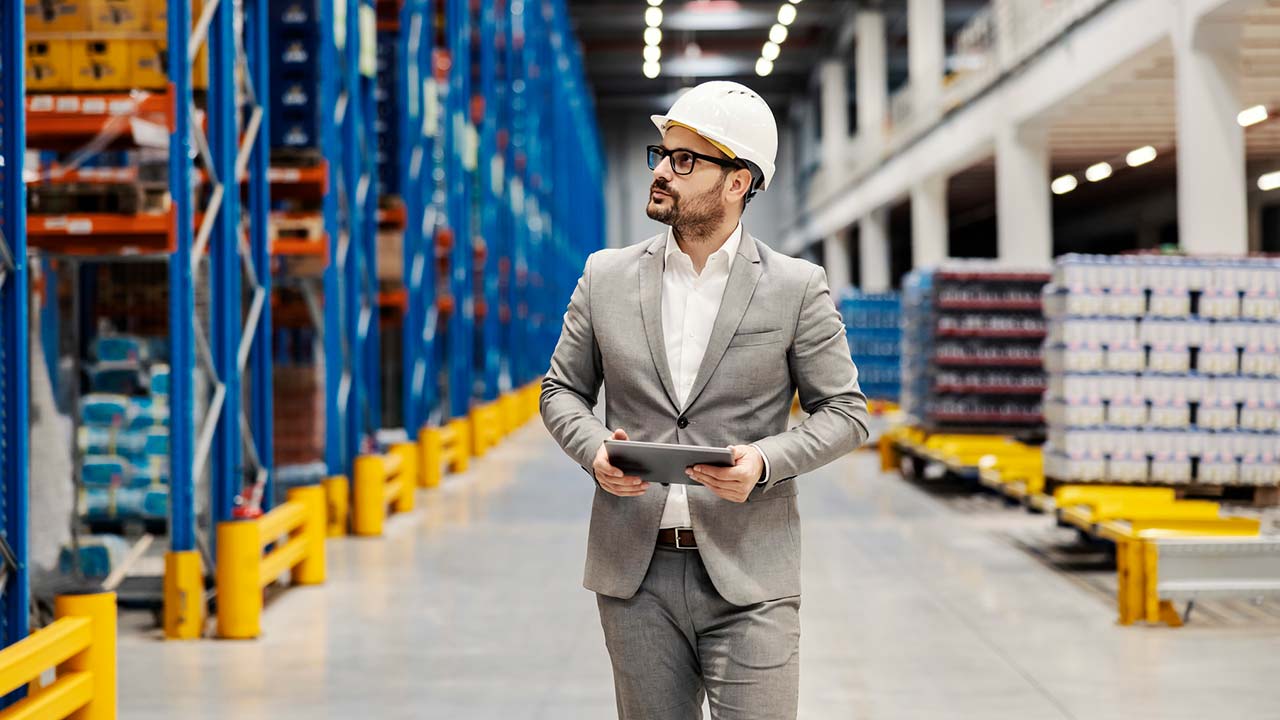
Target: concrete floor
x=916, y=605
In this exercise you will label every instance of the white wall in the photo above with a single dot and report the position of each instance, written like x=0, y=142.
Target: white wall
x=625, y=136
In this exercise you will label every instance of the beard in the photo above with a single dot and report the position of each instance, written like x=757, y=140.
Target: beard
x=694, y=217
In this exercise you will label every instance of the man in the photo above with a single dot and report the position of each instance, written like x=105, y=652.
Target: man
x=701, y=336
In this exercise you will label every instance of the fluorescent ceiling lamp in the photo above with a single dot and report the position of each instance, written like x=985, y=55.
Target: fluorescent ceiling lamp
x=778, y=34
x=651, y=70
x=652, y=53
x=763, y=67
x=787, y=14
x=1098, y=172
x=770, y=51
x=1252, y=115
x=1063, y=185
x=655, y=3
x=795, y=2
x=653, y=17
x=1270, y=181
x=652, y=36
x=1141, y=156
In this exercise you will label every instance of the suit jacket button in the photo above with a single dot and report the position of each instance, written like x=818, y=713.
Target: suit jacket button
x=683, y=422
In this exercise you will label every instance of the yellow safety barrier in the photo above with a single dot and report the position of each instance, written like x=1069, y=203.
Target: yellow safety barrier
x=1137, y=571
x=382, y=480
x=509, y=410
x=486, y=428
x=296, y=529
x=337, y=493
x=184, y=595
x=439, y=446
x=81, y=644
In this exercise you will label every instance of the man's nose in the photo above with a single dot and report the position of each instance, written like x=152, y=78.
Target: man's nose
x=663, y=170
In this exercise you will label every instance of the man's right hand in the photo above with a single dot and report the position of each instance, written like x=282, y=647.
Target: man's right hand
x=611, y=478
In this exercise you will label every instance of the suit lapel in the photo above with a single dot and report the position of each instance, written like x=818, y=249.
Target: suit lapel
x=651, y=313
x=743, y=276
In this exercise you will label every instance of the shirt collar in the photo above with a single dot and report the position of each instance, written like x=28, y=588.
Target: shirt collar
x=729, y=248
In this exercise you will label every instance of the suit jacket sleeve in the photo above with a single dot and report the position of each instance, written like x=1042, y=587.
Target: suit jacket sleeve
x=572, y=385
x=827, y=382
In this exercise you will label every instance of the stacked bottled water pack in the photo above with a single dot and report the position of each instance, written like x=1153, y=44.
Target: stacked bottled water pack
x=1163, y=369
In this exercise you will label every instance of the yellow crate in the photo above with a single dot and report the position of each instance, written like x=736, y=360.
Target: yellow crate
x=57, y=15
x=100, y=65
x=48, y=65
x=118, y=15
x=146, y=65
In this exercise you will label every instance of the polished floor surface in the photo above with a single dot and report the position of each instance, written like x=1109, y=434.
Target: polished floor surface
x=916, y=605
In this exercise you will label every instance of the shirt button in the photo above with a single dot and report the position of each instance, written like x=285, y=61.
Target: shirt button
x=683, y=422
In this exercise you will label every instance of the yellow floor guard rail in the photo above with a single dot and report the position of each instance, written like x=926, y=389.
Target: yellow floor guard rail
x=244, y=571
x=440, y=446
x=382, y=480
x=81, y=644
x=1137, y=561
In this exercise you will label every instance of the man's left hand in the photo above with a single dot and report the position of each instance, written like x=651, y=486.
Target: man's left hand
x=732, y=483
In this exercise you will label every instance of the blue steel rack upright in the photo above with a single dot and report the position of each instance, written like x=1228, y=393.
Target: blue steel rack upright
x=417, y=141
x=235, y=152
x=350, y=220
x=14, y=593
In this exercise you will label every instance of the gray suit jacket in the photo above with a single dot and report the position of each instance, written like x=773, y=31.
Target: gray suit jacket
x=777, y=332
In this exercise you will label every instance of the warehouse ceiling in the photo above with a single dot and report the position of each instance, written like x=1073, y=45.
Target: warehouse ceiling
x=722, y=39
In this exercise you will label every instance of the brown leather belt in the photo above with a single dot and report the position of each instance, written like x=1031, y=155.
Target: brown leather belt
x=677, y=539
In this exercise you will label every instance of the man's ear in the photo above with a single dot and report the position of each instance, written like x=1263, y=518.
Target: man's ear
x=742, y=178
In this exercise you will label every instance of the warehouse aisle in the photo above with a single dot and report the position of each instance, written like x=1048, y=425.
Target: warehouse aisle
x=472, y=608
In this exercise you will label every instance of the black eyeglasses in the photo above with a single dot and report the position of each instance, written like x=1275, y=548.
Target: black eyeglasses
x=682, y=161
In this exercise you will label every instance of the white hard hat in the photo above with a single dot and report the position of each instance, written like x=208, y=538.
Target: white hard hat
x=733, y=118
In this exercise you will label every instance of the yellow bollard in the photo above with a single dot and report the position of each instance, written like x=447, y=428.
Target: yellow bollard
x=99, y=658
x=338, y=497
x=184, y=606
x=239, y=578
x=460, y=453
x=311, y=570
x=431, y=453
x=476, y=420
x=369, y=496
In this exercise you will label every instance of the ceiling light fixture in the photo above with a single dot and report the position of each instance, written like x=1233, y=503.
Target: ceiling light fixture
x=770, y=51
x=763, y=67
x=787, y=14
x=653, y=17
x=778, y=34
x=652, y=70
x=1270, y=181
x=1063, y=185
x=652, y=53
x=1098, y=172
x=1141, y=156
x=1252, y=115
x=652, y=36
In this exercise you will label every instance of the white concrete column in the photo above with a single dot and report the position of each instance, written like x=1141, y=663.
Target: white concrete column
x=1024, y=214
x=834, y=78
x=929, y=229
x=835, y=259
x=872, y=76
x=873, y=247
x=1212, y=187
x=926, y=55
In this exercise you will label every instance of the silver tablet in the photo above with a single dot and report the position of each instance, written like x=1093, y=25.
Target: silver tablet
x=662, y=462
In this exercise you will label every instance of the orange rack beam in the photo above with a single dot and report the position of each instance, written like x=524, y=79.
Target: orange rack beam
x=101, y=233
x=71, y=120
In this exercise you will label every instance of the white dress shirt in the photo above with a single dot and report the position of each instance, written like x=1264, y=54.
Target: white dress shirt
x=690, y=302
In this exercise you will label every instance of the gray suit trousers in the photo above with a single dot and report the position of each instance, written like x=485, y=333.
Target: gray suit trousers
x=677, y=641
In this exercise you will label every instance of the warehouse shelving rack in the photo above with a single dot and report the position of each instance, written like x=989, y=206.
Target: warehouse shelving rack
x=15, y=585
x=233, y=441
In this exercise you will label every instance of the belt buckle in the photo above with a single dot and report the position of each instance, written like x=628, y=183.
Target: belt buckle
x=683, y=547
